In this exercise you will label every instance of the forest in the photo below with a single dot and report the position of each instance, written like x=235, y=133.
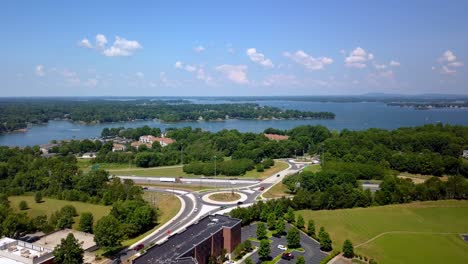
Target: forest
x=19, y=113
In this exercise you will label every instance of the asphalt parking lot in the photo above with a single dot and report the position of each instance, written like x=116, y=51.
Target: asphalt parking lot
x=312, y=252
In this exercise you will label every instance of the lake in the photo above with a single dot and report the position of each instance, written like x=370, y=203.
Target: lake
x=353, y=116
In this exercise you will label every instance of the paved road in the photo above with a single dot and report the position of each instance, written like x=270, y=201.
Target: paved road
x=248, y=187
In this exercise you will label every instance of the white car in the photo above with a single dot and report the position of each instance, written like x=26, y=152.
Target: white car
x=282, y=247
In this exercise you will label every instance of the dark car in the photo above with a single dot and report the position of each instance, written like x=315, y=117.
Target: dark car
x=239, y=202
x=261, y=188
x=138, y=247
x=277, y=175
x=287, y=256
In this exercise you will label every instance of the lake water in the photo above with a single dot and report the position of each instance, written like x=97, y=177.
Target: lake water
x=353, y=116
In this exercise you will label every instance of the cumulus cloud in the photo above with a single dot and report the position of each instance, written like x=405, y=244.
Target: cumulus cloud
x=85, y=43
x=101, y=41
x=91, y=82
x=140, y=75
x=281, y=80
x=392, y=63
x=200, y=72
x=259, y=58
x=120, y=47
x=178, y=65
x=358, y=58
x=449, y=63
x=308, y=61
x=39, y=70
x=199, y=49
x=235, y=73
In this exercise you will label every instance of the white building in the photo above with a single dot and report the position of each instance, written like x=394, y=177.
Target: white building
x=14, y=251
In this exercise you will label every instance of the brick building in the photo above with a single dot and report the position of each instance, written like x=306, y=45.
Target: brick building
x=197, y=243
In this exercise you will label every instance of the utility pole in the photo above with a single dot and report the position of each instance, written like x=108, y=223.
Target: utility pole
x=215, y=172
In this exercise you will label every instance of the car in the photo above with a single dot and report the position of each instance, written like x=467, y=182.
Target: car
x=239, y=202
x=287, y=256
x=277, y=175
x=138, y=247
x=145, y=188
x=223, y=207
x=282, y=247
x=195, y=210
x=261, y=188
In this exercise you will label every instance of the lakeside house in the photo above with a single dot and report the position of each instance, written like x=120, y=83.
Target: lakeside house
x=137, y=144
x=45, y=148
x=118, y=147
x=163, y=141
x=276, y=137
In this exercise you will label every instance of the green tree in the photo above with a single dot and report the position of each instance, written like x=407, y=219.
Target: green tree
x=290, y=215
x=293, y=238
x=69, y=251
x=271, y=221
x=325, y=240
x=23, y=205
x=38, y=197
x=261, y=231
x=86, y=222
x=348, y=249
x=300, y=222
x=264, y=250
x=300, y=260
x=311, y=228
x=280, y=226
x=107, y=232
x=248, y=245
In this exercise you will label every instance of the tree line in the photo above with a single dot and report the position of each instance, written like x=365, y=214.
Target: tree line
x=18, y=113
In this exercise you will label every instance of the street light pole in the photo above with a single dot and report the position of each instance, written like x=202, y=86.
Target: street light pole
x=216, y=185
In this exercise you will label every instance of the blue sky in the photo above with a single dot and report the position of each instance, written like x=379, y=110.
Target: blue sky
x=122, y=48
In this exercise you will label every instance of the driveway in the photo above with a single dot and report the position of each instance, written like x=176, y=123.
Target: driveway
x=312, y=252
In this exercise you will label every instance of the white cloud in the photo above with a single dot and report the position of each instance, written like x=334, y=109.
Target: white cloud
x=201, y=75
x=85, y=43
x=199, y=49
x=178, y=65
x=395, y=63
x=122, y=47
x=380, y=66
x=308, y=61
x=235, y=73
x=200, y=72
x=449, y=63
x=259, y=58
x=101, y=41
x=358, y=58
x=39, y=70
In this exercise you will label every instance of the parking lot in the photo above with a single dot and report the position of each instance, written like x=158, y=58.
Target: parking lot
x=312, y=252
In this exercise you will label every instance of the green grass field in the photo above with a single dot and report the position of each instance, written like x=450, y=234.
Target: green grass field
x=313, y=168
x=49, y=206
x=420, y=232
x=277, y=191
x=176, y=171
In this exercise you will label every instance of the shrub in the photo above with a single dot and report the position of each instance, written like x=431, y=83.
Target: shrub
x=23, y=205
x=348, y=249
x=38, y=197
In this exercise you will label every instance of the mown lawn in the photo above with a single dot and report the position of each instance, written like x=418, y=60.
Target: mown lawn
x=49, y=206
x=313, y=168
x=277, y=191
x=177, y=171
x=424, y=219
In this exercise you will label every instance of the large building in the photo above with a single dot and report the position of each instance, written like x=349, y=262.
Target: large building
x=14, y=251
x=197, y=243
x=163, y=141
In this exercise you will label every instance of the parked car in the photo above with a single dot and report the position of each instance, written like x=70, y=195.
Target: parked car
x=138, y=247
x=282, y=247
x=287, y=256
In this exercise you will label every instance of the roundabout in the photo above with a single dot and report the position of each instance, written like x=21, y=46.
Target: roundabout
x=224, y=197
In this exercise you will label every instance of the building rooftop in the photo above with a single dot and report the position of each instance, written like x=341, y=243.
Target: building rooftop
x=53, y=239
x=16, y=251
x=179, y=244
x=276, y=137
